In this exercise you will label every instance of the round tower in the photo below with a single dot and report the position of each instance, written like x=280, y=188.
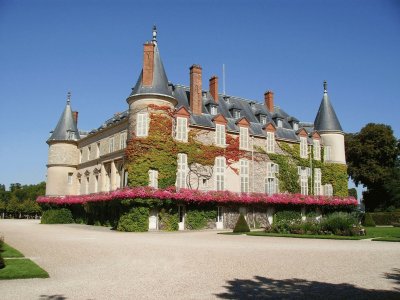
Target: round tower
x=328, y=126
x=152, y=87
x=63, y=156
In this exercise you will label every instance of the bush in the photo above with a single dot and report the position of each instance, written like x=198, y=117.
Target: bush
x=169, y=219
x=2, y=263
x=57, y=216
x=199, y=218
x=241, y=225
x=368, y=221
x=136, y=220
x=340, y=223
x=288, y=215
x=386, y=218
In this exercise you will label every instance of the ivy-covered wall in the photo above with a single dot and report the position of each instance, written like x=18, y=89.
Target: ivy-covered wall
x=159, y=151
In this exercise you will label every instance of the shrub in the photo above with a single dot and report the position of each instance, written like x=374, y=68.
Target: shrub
x=199, y=218
x=386, y=218
x=2, y=263
x=288, y=215
x=168, y=219
x=340, y=223
x=241, y=225
x=136, y=220
x=57, y=216
x=368, y=221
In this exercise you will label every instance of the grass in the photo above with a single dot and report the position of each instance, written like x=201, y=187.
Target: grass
x=384, y=234
x=10, y=252
x=21, y=268
x=18, y=267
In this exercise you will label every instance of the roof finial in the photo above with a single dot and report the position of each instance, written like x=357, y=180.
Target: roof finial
x=325, y=87
x=68, y=97
x=154, y=34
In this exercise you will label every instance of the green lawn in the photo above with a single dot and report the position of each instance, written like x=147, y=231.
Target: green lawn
x=10, y=252
x=385, y=234
x=18, y=267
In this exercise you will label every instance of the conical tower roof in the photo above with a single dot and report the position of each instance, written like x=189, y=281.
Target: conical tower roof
x=66, y=129
x=326, y=119
x=160, y=81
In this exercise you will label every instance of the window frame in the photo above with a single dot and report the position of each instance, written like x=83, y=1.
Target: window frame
x=220, y=165
x=220, y=135
x=244, y=138
x=142, y=124
x=181, y=133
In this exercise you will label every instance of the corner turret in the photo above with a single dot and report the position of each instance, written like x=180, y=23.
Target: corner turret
x=328, y=126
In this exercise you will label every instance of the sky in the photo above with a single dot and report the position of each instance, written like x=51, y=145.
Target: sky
x=95, y=49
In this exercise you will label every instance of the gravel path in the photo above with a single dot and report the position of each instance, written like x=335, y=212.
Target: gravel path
x=87, y=262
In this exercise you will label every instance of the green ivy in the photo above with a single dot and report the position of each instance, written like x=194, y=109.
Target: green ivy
x=288, y=178
x=169, y=219
x=336, y=174
x=197, y=218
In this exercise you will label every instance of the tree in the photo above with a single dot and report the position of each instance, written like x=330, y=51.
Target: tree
x=372, y=156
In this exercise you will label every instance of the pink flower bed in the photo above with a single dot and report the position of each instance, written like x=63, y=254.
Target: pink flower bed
x=185, y=195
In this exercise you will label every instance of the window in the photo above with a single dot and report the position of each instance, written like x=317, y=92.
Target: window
x=236, y=114
x=271, y=181
x=317, y=150
x=303, y=173
x=270, y=142
x=142, y=124
x=328, y=190
x=122, y=140
x=263, y=119
x=244, y=138
x=220, y=173
x=280, y=123
x=213, y=110
x=220, y=139
x=244, y=175
x=303, y=147
x=80, y=155
x=87, y=185
x=296, y=126
x=317, y=182
x=98, y=150
x=89, y=149
x=111, y=144
x=96, y=183
x=327, y=153
x=182, y=171
x=181, y=129
x=70, y=178
x=153, y=179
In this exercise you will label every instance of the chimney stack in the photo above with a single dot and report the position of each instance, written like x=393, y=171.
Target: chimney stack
x=148, y=64
x=214, y=88
x=269, y=101
x=75, y=117
x=195, y=90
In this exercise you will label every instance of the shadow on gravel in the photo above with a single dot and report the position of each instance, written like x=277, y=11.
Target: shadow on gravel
x=266, y=288
x=52, y=297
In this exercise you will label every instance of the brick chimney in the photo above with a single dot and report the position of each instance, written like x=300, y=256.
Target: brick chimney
x=195, y=90
x=148, y=64
x=214, y=88
x=269, y=101
x=75, y=117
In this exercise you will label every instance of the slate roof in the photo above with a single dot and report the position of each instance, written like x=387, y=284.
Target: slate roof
x=160, y=81
x=326, y=119
x=66, y=129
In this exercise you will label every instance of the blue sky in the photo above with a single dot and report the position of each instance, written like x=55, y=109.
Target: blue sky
x=94, y=50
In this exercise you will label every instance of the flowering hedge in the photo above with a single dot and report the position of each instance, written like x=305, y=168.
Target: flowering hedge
x=186, y=195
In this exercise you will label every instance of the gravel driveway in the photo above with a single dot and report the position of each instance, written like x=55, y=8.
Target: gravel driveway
x=87, y=262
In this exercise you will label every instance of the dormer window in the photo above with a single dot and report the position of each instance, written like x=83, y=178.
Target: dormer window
x=213, y=110
x=227, y=99
x=236, y=113
x=280, y=123
x=295, y=126
x=263, y=119
x=252, y=105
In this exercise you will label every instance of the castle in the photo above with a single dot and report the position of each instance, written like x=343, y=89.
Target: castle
x=90, y=162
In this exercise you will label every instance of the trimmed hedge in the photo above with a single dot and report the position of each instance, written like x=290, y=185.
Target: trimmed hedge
x=136, y=220
x=386, y=218
x=241, y=225
x=57, y=216
x=368, y=220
